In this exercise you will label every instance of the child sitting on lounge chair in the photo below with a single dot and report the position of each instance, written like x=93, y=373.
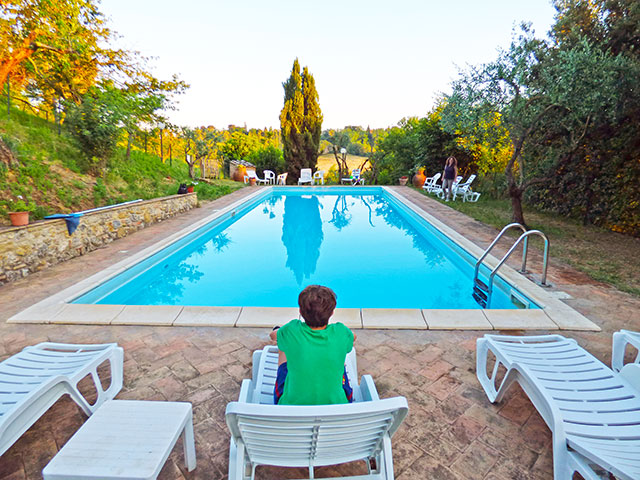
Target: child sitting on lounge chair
x=311, y=367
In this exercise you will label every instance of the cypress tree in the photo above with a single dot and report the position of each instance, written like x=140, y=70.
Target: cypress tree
x=312, y=122
x=300, y=122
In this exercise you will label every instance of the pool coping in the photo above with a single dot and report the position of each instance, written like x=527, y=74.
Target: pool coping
x=553, y=315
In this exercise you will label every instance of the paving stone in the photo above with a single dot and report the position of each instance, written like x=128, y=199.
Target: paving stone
x=351, y=317
x=266, y=316
x=87, y=314
x=393, y=318
x=191, y=316
x=456, y=320
x=531, y=319
x=151, y=315
x=476, y=461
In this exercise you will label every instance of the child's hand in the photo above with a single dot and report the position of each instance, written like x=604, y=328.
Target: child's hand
x=273, y=335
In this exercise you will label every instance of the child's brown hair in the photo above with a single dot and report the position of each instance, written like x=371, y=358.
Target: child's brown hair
x=317, y=304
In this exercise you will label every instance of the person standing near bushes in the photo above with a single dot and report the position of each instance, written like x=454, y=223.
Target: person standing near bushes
x=448, y=176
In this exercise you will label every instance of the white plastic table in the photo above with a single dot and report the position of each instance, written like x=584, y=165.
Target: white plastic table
x=125, y=439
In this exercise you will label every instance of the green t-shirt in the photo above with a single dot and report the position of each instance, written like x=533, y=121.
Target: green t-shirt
x=315, y=363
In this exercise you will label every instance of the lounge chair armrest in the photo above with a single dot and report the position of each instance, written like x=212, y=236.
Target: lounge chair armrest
x=368, y=389
x=245, y=391
x=631, y=373
x=620, y=341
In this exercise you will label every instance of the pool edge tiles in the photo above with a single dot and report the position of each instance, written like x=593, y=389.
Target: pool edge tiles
x=554, y=315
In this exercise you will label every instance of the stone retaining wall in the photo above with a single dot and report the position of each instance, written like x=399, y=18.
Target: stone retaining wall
x=24, y=250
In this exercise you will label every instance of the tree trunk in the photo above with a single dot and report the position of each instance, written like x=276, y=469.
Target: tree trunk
x=6, y=155
x=8, y=98
x=128, y=155
x=192, y=170
x=516, y=205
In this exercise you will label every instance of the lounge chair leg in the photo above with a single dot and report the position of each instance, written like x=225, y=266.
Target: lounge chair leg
x=189, y=444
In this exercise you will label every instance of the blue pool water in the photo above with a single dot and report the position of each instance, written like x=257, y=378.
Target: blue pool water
x=370, y=249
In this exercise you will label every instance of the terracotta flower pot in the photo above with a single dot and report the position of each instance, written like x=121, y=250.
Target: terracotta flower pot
x=403, y=180
x=252, y=181
x=239, y=174
x=189, y=189
x=19, y=218
x=419, y=178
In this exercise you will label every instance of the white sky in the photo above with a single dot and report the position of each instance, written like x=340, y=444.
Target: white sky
x=374, y=62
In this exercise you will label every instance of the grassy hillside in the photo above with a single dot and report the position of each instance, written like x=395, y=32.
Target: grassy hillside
x=49, y=176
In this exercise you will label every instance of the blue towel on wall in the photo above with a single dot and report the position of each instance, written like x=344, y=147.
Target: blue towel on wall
x=72, y=220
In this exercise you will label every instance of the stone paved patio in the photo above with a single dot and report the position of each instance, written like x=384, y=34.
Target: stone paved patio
x=452, y=432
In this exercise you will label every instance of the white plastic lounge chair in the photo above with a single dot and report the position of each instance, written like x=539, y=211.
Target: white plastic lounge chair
x=430, y=182
x=310, y=436
x=620, y=341
x=34, y=379
x=354, y=179
x=269, y=177
x=471, y=196
x=319, y=177
x=593, y=413
x=305, y=176
x=439, y=190
x=463, y=188
x=282, y=178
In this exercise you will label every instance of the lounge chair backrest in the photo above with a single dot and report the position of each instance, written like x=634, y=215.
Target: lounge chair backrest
x=299, y=436
x=318, y=174
x=355, y=173
x=35, y=378
x=305, y=174
x=469, y=181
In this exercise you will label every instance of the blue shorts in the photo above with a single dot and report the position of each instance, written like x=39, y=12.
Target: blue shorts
x=282, y=375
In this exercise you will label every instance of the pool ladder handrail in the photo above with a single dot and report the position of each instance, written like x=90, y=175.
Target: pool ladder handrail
x=481, y=292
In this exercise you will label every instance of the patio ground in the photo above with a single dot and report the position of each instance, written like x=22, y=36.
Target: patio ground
x=452, y=431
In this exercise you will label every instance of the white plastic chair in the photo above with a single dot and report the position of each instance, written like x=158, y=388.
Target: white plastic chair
x=310, y=436
x=354, y=179
x=593, y=413
x=282, y=178
x=269, y=177
x=620, y=341
x=463, y=188
x=319, y=177
x=34, y=379
x=430, y=182
x=305, y=176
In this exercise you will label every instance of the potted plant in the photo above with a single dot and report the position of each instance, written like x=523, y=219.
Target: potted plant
x=419, y=177
x=20, y=214
x=190, y=187
x=403, y=180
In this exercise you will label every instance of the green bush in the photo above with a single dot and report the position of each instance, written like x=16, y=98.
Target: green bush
x=267, y=158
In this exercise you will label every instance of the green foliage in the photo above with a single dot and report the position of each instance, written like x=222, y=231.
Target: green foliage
x=239, y=146
x=95, y=124
x=267, y=158
x=355, y=139
x=551, y=98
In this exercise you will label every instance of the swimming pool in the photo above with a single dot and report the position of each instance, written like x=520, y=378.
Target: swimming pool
x=362, y=242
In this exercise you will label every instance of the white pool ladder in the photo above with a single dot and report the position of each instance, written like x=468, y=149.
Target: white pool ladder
x=481, y=291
